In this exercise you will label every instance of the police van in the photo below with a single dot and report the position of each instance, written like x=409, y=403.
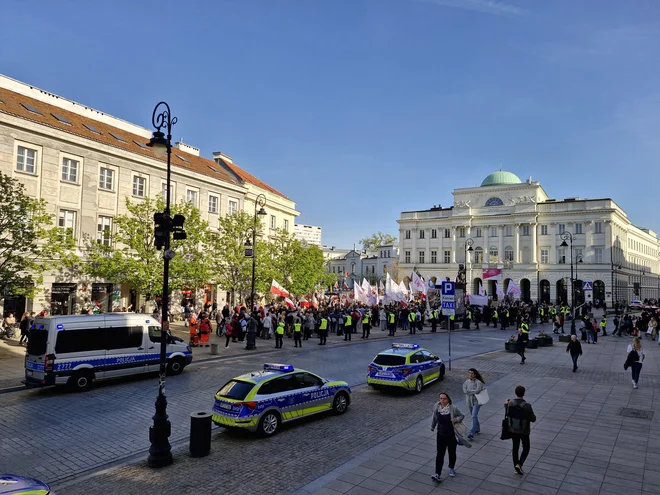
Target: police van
x=78, y=349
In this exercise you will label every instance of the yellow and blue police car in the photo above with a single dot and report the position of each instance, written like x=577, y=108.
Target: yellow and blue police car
x=406, y=366
x=20, y=485
x=262, y=400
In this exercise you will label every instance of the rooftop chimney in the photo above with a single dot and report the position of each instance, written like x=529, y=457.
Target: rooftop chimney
x=222, y=156
x=187, y=148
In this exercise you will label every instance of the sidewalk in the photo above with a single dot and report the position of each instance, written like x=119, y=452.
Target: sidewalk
x=593, y=434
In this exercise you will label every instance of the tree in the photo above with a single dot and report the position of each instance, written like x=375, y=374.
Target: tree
x=29, y=243
x=133, y=258
x=372, y=242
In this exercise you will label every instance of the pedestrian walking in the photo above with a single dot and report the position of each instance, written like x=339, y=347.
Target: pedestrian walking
x=445, y=416
x=520, y=414
x=575, y=349
x=521, y=343
x=228, y=333
x=471, y=387
x=635, y=359
x=24, y=327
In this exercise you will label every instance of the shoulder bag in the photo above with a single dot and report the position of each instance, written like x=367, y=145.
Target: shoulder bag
x=482, y=397
x=506, y=434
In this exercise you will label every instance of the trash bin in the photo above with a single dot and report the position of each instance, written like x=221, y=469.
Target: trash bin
x=200, y=433
x=214, y=348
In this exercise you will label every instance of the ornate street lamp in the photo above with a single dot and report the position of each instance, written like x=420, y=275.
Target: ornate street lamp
x=468, y=249
x=567, y=236
x=259, y=201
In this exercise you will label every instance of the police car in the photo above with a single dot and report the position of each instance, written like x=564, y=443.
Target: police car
x=406, y=366
x=20, y=485
x=262, y=400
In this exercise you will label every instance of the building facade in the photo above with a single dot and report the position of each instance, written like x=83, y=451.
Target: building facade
x=85, y=164
x=311, y=234
x=355, y=265
x=514, y=227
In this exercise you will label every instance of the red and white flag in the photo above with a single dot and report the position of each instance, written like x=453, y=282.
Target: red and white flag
x=278, y=290
x=315, y=302
x=289, y=303
x=482, y=292
x=345, y=285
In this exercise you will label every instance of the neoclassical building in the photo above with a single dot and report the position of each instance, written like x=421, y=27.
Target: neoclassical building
x=515, y=227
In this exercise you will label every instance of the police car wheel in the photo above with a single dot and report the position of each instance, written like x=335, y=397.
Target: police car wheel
x=175, y=366
x=80, y=381
x=419, y=384
x=340, y=404
x=269, y=424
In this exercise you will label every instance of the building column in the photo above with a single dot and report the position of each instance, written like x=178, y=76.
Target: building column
x=453, y=244
x=500, y=245
x=588, y=253
x=516, y=246
x=553, y=247
x=534, y=247
x=413, y=250
x=485, y=231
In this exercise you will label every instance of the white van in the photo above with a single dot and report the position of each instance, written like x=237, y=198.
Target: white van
x=78, y=349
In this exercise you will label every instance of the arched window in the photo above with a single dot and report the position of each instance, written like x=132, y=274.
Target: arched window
x=478, y=255
x=494, y=202
x=493, y=254
x=508, y=253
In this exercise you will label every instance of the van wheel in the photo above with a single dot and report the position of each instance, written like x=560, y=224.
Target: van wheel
x=175, y=366
x=81, y=381
x=269, y=424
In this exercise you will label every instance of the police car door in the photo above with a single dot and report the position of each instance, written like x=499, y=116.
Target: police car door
x=287, y=398
x=316, y=395
x=125, y=354
x=432, y=366
x=419, y=361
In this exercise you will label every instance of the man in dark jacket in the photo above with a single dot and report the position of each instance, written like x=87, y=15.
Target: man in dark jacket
x=575, y=348
x=520, y=415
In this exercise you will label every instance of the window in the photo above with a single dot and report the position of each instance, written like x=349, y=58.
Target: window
x=407, y=234
x=447, y=233
x=478, y=255
x=598, y=227
x=544, y=257
x=69, y=170
x=123, y=337
x=286, y=225
x=163, y=191
x=578, y=254
x=26, y=160
x=578, y=228
x=421, y=233
x=434, y=234
x=461, y=232
x=525, y=230
x=478, y=232
x=139, y=186
x=373, y=269
x=106, y=178
x=447, y=256
x=561, y=228
x=561, y=255
x=213, y=204
x=388, y=254
x=406, y=256
x=434, y=256
x=233, y=206
x=89, y=339
x=191, y=197
x=544, y=230
x=67, y=220
x=273, y=222
x=508, y=231
x=493, y=231
x=420, y=257
x=493, y=254
x=104, y=230
x=508, y=254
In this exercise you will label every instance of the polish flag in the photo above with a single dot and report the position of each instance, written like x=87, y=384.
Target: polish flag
x=289, y=302
x=315, y=302
x=278, y=290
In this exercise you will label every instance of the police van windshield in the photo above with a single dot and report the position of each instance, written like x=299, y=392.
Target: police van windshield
x=37, y=342
x=389, y=360
x=235, y=389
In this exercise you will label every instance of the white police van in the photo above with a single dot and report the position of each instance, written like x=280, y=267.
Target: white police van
x=78, y=349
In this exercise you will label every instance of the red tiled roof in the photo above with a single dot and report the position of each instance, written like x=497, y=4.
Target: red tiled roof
x=12, y=104
x=247, y=177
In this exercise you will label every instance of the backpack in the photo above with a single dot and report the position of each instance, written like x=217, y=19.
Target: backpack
x=517, y=418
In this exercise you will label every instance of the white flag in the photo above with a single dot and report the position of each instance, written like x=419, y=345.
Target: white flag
x=513, y=289
x=498, y=290
x=482, y=292
x=418, y=284
x=360, y=294
x=366, y=286
x=402, y=288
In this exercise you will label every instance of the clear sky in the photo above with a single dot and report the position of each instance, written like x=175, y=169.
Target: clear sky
x=361, y=109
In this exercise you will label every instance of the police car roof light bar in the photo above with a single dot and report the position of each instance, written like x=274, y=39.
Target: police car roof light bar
x=405, y=346
x=277, y=367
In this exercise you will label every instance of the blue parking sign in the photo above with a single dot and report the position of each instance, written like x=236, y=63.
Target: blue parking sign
x=448, y=288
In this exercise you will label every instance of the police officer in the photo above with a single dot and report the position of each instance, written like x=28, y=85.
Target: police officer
x=297, y=333
x=468, y=319
x=603, y=324
x=348, y=325
x=412, y=316
x=495, y=315
x=391, y=322
x=434, y=320
x=366, y=325
x=279, y=334
x=323, y=330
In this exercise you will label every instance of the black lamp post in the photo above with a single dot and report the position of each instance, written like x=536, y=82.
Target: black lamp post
x=468, y=249
x=160, y=452
x=564, y=237
x=578, y=259
x=259, y=201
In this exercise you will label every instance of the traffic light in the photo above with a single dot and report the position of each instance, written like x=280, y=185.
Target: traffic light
x=178, y=234
x=161, y=229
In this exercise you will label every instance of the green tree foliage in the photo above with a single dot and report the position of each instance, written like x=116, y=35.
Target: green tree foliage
x=372, y=242
x=29, y=242
x=132, y=257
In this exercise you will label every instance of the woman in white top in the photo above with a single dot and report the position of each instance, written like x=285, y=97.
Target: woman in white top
x=636, y=365
x=471, y=387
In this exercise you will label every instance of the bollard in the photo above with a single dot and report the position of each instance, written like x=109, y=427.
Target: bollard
x=251, y=341
x=200, y=433
x=214, y=348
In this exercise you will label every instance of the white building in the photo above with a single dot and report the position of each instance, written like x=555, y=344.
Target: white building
x=355, y=265
x=311, y=234
x=515, y=227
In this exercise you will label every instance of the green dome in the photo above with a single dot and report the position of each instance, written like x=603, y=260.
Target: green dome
x=500, y=178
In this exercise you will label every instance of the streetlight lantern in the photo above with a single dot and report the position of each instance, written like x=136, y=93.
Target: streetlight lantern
x=160, y=452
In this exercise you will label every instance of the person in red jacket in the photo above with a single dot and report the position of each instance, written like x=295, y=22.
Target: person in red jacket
x=204, y=330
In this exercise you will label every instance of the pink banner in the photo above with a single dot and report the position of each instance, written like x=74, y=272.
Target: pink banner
x=492, y=274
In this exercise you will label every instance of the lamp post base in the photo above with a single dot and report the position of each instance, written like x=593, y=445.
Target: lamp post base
x=160, y=452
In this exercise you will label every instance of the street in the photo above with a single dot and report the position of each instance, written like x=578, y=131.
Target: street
x=55, y=435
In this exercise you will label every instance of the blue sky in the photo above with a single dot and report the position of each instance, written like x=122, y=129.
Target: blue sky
x=361, y=109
